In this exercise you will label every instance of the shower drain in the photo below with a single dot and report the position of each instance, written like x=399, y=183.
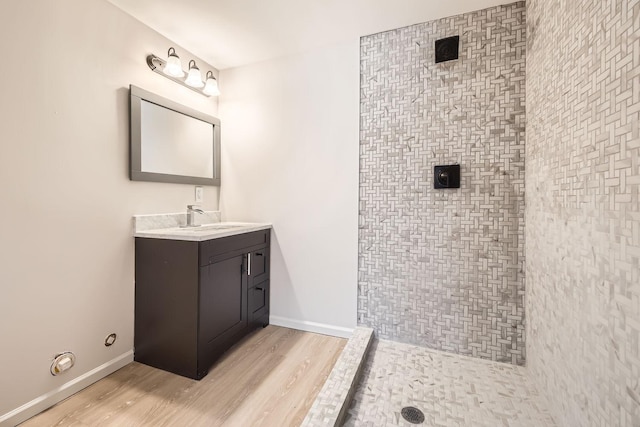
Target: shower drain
x=413, y=415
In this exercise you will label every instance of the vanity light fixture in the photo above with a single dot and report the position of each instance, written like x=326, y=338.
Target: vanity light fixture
x=211, y=86
x=194, y=78
x=172, y=69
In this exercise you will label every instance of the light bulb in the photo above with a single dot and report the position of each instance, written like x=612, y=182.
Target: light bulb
x=211, y=87
x=194, y=78
x=173, y=67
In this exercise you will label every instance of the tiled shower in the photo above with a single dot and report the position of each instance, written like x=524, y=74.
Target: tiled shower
x=548, y=220
x=443, y=268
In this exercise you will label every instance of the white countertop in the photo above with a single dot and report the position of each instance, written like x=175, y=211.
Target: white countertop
x=203, y=232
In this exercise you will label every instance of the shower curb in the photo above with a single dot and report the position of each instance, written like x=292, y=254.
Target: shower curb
x=332, y=403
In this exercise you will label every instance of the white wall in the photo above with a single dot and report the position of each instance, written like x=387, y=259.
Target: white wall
x=290, y=157
x=66, y=251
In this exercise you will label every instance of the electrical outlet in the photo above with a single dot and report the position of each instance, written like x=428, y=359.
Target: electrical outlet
x=199, y=194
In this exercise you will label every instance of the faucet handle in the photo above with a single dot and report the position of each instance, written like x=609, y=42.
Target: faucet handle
x=194, y=208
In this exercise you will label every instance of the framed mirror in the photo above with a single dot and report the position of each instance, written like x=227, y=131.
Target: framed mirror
x=171, y=142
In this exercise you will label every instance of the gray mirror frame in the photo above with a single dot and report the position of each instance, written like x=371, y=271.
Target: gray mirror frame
x=136, y=96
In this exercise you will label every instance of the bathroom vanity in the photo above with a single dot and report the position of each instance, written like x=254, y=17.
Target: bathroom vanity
x=198, y=291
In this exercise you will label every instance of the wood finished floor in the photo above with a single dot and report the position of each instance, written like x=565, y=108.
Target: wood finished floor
x=270, y=378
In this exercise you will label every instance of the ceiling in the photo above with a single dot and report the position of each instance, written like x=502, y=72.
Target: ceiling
x=231, y=33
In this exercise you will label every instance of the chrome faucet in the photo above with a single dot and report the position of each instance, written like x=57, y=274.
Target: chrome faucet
x=191, y=211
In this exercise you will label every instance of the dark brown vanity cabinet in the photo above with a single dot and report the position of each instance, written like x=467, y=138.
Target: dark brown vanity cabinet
x=194, y=300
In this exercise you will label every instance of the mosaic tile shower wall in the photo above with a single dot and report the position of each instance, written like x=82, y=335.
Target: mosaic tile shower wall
x=583, y=208
x=444, y=268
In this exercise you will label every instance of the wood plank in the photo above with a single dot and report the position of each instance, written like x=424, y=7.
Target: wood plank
x=284, y=398
x=270, y=378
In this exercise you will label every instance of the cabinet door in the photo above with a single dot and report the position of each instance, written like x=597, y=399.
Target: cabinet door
x=223, y=299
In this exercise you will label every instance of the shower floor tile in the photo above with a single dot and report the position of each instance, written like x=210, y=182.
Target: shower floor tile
x=451, y=390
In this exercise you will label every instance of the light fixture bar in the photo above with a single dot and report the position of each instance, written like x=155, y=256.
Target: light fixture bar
x=157, y=64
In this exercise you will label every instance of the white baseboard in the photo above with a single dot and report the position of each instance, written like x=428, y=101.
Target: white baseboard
x=318, y=328
x=49, y=399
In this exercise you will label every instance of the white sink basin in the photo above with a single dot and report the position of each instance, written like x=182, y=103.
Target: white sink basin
x=211, y=227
